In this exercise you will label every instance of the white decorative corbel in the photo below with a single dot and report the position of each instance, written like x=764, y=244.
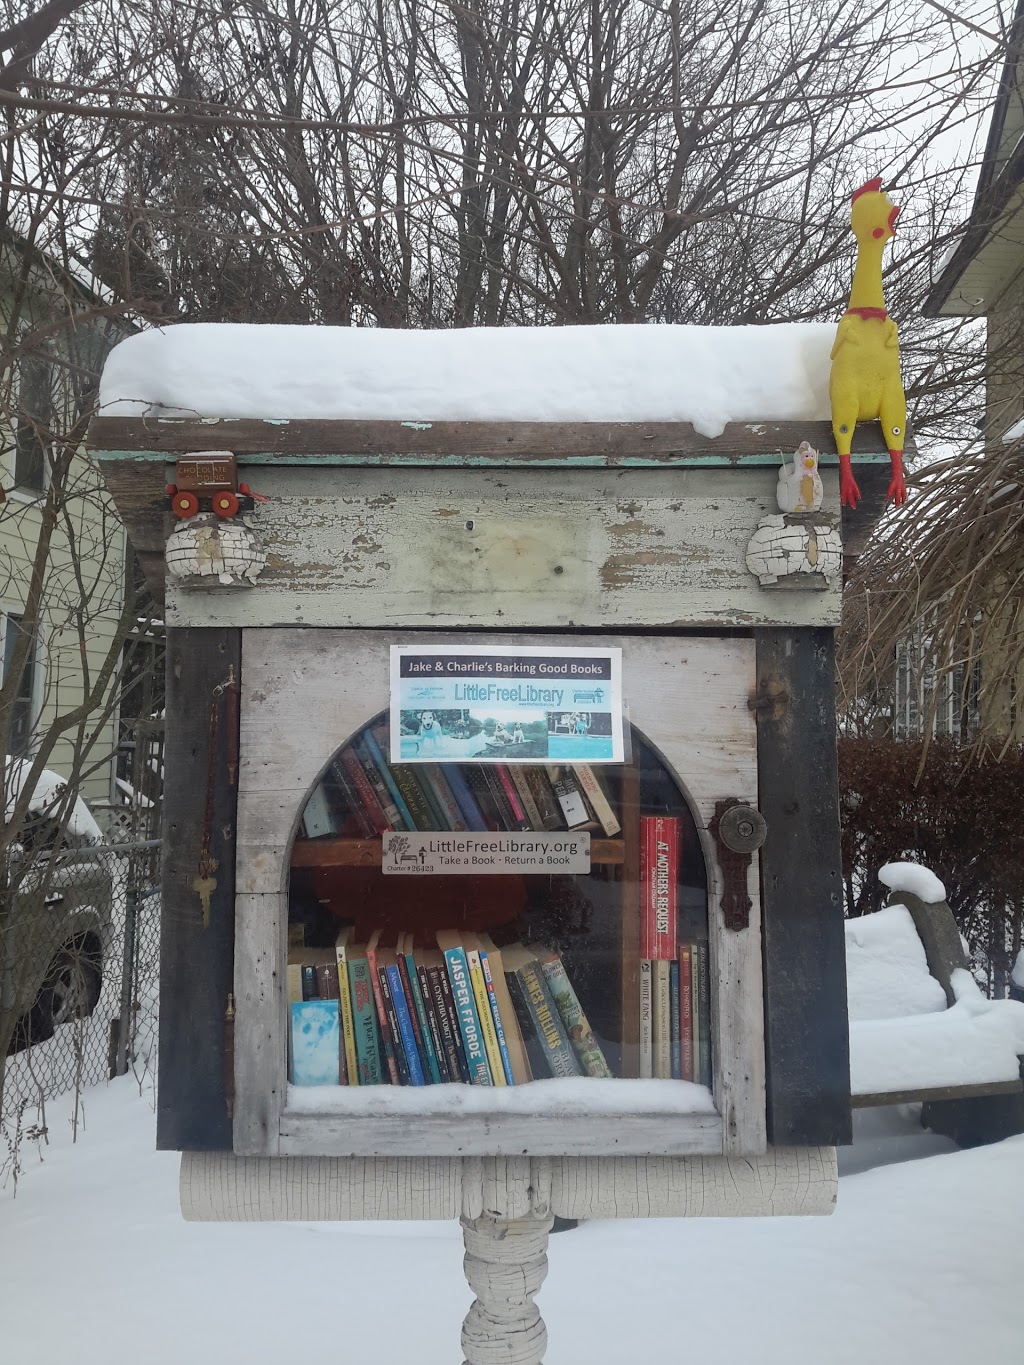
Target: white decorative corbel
x=209, y=551
x=798, y=549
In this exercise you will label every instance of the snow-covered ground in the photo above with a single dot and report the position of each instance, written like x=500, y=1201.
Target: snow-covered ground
x=922, y=1261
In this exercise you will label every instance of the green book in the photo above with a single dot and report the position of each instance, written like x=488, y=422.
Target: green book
x=364, y=1019
x=550, y=1041
x=577, y=1026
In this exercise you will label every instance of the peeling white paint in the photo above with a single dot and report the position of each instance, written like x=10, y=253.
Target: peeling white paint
x=208, y=548
x=784, y=547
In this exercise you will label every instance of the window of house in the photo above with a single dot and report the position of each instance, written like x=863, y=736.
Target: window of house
x=35, y=422
x=21, y=725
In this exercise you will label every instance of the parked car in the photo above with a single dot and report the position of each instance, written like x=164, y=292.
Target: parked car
x=61, y=902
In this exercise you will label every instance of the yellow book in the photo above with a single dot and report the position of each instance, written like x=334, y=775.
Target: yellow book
x=513, y=1035
x=471, y=944
x=348, y=1026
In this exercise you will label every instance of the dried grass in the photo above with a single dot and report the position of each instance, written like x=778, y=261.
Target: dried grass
x=948, y=567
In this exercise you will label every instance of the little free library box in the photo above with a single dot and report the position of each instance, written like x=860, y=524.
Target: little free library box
x=501, y=871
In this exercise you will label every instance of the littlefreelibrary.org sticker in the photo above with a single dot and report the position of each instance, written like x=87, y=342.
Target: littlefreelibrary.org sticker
x=444, y=854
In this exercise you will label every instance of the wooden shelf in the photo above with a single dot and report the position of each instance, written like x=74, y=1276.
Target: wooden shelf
x=345, y=852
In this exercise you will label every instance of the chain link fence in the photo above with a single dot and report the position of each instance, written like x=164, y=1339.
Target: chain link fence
x=79, y=973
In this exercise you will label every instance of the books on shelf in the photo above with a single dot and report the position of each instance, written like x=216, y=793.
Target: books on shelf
x=393, y=1012
x=460, y=1009
x=362, y=796
x=597, y=798
x=487, y=1012
x=466, y=1013
x=577, y=1026
x=659, y=918
x=675, y=980
x=548, y=1049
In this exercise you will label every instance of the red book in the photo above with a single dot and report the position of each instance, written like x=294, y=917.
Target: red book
x=686, y=1011
x=659, y=876
x=382, y=1010
x=372, y=808
x=511, y=793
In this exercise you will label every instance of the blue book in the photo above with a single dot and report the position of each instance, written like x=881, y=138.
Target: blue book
x=465, y=798
x=465, y=1006
x=421, y=1015
x=412, y=1056
x=373, y=749
x=506, y=1062
x=673, y=1009
x=316, y=1042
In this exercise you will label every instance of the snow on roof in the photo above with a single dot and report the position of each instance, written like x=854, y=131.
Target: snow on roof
x=919, y=881
x=707, y=376
x=48, y=798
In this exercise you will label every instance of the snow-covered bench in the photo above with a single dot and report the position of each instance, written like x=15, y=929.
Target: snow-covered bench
x=920, y=1027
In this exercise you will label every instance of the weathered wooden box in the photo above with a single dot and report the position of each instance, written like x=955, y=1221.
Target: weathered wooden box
x=609, y=534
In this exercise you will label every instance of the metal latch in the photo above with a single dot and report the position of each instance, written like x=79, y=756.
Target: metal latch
x=738, y=831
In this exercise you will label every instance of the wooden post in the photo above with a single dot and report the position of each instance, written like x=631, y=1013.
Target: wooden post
x=506, y=1262
x=196, y=960
x=806, y=1034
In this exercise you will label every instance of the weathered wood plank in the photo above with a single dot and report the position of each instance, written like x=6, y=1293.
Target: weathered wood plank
x=137, y=485
x=218, y=1187
x=858, y=523
x=794, y=1181
x=804, y=948
x=629, y=929
x=542, y=549
x=306, y=692
x=138, y=492
x=737, y=1012
x=937, y=1093
x=261, y=1021
x=501, y=1135
x=195, y=962
x=507, y=441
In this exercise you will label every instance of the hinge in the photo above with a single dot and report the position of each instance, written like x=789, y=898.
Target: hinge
x=770, y=701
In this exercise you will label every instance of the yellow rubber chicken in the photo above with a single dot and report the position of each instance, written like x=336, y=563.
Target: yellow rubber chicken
x=865, y=381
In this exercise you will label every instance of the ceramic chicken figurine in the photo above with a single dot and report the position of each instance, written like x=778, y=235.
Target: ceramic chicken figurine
x=800, y=487
x=865, y=381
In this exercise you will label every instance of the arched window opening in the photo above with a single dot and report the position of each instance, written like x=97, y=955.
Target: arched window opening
x=583, y=977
